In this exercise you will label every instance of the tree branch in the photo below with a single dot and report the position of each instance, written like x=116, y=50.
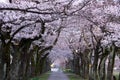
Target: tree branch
x=27, y=10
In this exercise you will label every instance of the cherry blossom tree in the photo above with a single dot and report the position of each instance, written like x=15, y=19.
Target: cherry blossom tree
x=94, y=32
x=33, y=29
x=18, y=31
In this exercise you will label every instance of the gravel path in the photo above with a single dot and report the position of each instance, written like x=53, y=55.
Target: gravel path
x=58, y=76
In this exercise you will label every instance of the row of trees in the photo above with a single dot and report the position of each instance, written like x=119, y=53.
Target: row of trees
x=30, y=29
x=97, y=41
x=28, y=32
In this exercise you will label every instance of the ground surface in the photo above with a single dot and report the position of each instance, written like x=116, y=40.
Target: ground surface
x=57, y=76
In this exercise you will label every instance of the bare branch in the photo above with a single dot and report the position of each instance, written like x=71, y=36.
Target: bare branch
x=84, y=4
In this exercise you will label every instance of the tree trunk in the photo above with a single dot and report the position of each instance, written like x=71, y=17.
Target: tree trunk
x=5, y=59
x=1, y=64
x=13, y=74
x=14, y=70
x=32, y=66
x=102, y=70
x=1, y=70
x=111, y=59
x=95, y=65
x=77, y=67
x=86, y=65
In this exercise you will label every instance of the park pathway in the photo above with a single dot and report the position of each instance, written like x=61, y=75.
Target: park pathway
x=58, y=76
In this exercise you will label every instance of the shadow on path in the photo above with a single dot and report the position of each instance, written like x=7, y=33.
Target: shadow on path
x=58, y=76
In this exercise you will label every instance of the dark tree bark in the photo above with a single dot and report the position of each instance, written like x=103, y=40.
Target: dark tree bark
x=111, y=63
x=13, y=74
x=6, y=59
x=10, y=1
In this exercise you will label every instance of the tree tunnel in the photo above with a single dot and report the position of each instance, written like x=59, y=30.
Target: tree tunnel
x=82, y=36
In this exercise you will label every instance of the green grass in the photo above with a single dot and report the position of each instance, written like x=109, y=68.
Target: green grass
x=67, y=70
x=42, y=77
x=116, y=74
x=72, y=76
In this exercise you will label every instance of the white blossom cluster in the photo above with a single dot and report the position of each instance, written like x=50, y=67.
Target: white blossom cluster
x=106, y=17
x=16, y=16
x=80, y=16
